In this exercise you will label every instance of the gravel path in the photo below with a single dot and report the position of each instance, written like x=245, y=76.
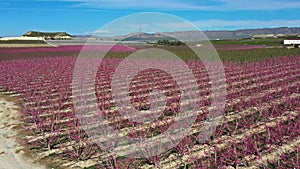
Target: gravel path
x=11, y=152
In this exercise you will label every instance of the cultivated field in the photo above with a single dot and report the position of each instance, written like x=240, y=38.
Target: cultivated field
x=260, y=127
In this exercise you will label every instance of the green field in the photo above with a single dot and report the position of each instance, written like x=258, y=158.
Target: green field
x=238, y=56
x=267, y=41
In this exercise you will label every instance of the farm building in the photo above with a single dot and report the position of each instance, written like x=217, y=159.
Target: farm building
x=294, y=43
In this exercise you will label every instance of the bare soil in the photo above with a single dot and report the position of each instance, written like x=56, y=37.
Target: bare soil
x=12, y=154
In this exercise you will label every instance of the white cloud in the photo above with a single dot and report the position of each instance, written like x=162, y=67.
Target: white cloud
x=225, y=24
x=220, y=5
x=201, y=25
x=258, y=4
x=102, y=32
x=246, y=23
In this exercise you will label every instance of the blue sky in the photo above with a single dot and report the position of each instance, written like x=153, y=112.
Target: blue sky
x=86, y=16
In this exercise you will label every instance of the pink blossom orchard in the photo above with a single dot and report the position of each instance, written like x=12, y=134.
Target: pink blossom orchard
x=72, y=48
x=261, y=114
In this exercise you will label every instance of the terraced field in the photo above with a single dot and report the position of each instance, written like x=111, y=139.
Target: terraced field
x=259, y=129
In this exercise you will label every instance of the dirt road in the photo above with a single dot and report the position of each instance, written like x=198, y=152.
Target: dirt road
x=11, y=152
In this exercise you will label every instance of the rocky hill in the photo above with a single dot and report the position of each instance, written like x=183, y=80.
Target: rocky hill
x=49, y=35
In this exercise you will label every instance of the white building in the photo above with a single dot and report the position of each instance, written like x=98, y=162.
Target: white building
x=291, y=42
x=295, y=43
x=58, y=37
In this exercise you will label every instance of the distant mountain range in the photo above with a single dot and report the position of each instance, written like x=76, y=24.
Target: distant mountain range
x=212, y=35
x=181, y=35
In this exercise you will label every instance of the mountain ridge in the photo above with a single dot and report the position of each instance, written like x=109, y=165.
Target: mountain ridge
x=211, y=34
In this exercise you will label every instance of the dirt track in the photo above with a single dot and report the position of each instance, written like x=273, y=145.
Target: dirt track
x=12, y=155
x=23, y=45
